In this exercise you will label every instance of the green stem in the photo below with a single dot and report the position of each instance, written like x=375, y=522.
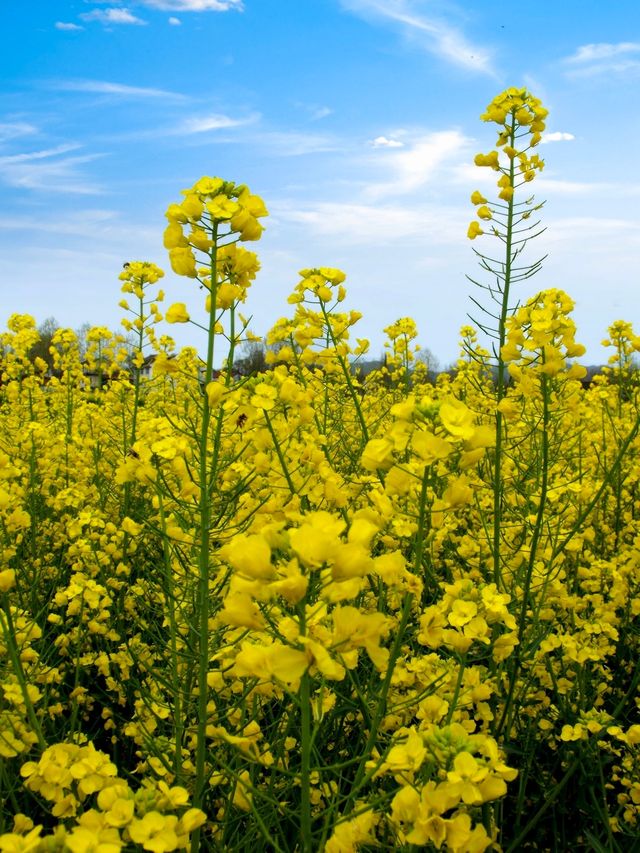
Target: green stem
x=9, y=631
x=420, y=534
x=305, y=764
x=347, y=376
x=202, y=601
x=500, y=388
x=456, y=690
x=550, y=799
x=279, y=454
x=178, y=725
x=535, y=539
x=360, y=777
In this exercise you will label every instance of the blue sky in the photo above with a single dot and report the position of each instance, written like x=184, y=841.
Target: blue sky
x=356, y=120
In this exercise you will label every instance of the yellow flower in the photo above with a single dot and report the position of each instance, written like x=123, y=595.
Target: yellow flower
x=462, y=612
x=484, y=212
x=275, y=661
x=177, y=313
x=192, y=206
x=128, y=525
x=199, y=238
x=348, y=836
x=457, y=419
x=253, y=203
x=173, y=236
x=249, y=555
x=316, y=541
x=155, y=832
x=474, y=230
x=492, y=160
x=430, y=447
x=222, y=207
x=183, y=261
x=465, y=776
x=241, y=611
x=377, y=454
x=477, y=198
x=7, y=580
x=432, y=624
x=242, y=796
x=120, y=813
x=192, y=819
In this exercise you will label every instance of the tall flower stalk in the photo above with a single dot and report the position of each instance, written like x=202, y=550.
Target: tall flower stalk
x=218, y=214
x=520, y=119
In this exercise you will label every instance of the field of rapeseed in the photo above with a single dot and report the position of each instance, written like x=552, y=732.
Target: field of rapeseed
x=302, y=611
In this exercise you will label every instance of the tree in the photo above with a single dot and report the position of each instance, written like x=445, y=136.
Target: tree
x=46, y=330
x=81, y=334
x=426, y=357
x=253, y=360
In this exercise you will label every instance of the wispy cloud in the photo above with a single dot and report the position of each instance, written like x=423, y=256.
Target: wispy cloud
x=417, y=163
x=104, y=87
x=604, y=58
x=175, y=22
x=314, y=111
x=86, y=223
x=318, y=113
x=604, y=50
x=217, y=121
x=67, y=25
x=48, y=171
x=194, y=5
x=384, y=142
x=355, y=223
x=546, y=184
x=293, y=143
x=15, y=129
x=434, y=35
x=40, y=155
x=594, y=234
x=112, y=16
x=98, y=224
x=557, y=136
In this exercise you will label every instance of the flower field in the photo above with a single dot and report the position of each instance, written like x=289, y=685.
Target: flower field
x=308, y=611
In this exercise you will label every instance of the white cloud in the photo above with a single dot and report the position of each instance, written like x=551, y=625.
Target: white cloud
x=314, y=111
x=216, y=121
x=85, y=223
x=435, y=36
x=366, y=224
x=97, y=224
x=292, y=143
x=104, y=87
x=175, y=22
x=66, y=25
x=557, y=136
x=194, y=5
x=593, y=234
x=112, y=16
x=598, y=52
x=546, y=184
x=320, y=112
x=15, y=129
x=39, y=155
x=383, y=142
x=604, y=58
x=417, y=162
x=47, y=171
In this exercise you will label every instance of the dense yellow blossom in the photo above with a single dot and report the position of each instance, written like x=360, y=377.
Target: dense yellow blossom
x=308, y=609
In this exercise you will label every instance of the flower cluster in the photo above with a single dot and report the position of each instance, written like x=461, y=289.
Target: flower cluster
x=520, y=118
x=306, y=609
